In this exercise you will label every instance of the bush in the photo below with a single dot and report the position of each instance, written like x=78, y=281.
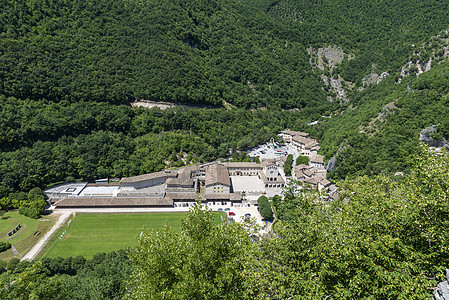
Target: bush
x=302, y=160
x=265, y=208
x=30, y=212
x=12, y=264
x=2, y=266
x=4, y=246
x=288, y=165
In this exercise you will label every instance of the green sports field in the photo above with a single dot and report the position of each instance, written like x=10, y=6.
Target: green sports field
x=88, y=234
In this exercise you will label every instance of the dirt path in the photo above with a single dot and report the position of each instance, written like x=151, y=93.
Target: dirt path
x=14, y=250
x=30, y=255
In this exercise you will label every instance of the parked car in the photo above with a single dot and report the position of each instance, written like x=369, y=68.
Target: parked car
x=227, y=209
x=220, y=209
x=231, y=213
x=247, y=216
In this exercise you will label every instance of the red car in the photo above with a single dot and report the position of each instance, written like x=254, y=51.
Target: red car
x=231, y=213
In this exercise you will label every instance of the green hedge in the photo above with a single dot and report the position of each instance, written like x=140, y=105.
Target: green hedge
x=30, y=212
x=265, y=208
x=4, y=246
x=288, y=165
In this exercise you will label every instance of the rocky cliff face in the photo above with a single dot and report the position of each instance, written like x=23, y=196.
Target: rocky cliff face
x=326, y=59
x=373, y=78
x=433, y=52
x=426, y=137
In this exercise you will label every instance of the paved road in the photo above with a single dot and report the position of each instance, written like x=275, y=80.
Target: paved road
x=63, y=217
x=14, y=250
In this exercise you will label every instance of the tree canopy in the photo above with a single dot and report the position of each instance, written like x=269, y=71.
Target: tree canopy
x=384, y=238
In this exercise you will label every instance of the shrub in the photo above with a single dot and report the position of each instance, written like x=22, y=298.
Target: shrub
x=302, y=160
x=2, y=266
x=30, y=212
x=12, y=264
x=4, y=246
x=265, y=208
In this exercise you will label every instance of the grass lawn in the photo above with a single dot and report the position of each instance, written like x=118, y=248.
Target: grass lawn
x=24, y=239
x=89, y=234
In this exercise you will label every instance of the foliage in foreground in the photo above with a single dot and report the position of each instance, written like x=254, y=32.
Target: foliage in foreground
x=102, y=277
x=385, y=238
x=203, y=261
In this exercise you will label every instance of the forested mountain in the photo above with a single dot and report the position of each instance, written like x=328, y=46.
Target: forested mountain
x=43, y=143
x=382, y=127
x=68, y=70
x=248, y=53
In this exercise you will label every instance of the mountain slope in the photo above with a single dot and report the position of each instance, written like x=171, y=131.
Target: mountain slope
x=248, y=53
x=382, y=128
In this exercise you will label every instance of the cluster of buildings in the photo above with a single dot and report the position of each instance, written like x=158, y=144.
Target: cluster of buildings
x=217, y=183
x=313, y=174
x=301, y=142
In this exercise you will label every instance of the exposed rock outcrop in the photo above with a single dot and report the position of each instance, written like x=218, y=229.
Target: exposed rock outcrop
x=326, y=59
x=433, y=52
x=373, y=125
x=442, y=290
x=335, y=86
x=426, y=137
x=373, y=77
x=331, y=164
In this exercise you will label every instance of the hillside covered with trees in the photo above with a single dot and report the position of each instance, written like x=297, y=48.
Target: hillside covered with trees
x=69, y=69
x=381, y=129
x=248, y=53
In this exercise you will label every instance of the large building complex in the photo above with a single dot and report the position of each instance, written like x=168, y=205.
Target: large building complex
x=210, y=183
x=215, y=183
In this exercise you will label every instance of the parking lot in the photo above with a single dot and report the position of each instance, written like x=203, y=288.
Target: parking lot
x=271, y=151
x=238, y=212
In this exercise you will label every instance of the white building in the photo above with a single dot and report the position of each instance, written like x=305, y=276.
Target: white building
x=243, y=168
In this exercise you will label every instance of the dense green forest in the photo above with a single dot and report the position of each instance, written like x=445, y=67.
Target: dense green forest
x=69, y=70
x=248, y=53
x=382, y=128
x=42, y=143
